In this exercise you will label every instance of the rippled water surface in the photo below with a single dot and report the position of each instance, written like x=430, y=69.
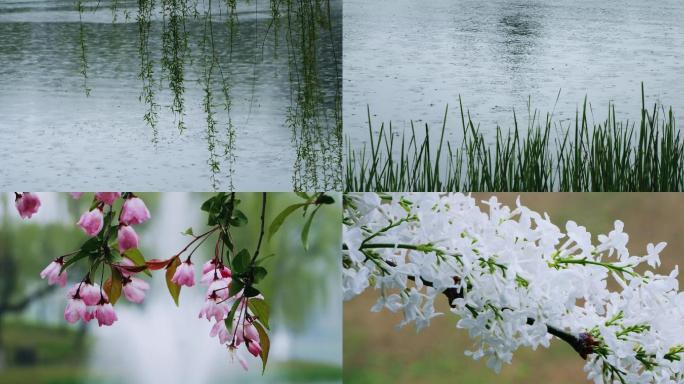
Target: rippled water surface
x=408, y=59
x=52, y=136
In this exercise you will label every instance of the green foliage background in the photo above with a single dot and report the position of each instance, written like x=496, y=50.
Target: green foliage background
x=296, y=286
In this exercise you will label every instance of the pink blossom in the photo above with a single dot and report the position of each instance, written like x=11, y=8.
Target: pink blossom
x=184, y=274
x=27, y=204
x=107, y=197
x=127, y=238
x=211, y=265
x=91, y=222
x=215, y=309
x=75, y=310
x=76, y=195
x=90, y=313
x=254, y=348
x=134, y=212
x=210, y=272
x=134, y=289
x=91, y=293
x=51, y=272
x=251, y=333
x=104, y=313
x=129, y=263
x=219, y=329
x=219, y=287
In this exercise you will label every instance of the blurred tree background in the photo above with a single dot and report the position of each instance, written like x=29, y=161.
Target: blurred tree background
x=376, y=352
x=38, y=346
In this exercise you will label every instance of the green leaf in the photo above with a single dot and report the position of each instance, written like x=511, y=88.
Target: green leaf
x=188, y=232
x=174, y=289
x=265, y=344
x=261, y=259
x=258, y=273
x=307, y=228
x=91, y=244
x=206, y=206
x=239, y=219
x=137, y=258
x=116, y=285
x=80, y=255
x=231, y=316
x=278, y=221
x=260, y=309
x=303, y=195
x=241, y=261
x=251, y=292
x=325, y=199
x=235, y=287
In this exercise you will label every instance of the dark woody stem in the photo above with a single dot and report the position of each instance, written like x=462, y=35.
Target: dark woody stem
x=583, y=343
x=261, y=231
x=387, y=245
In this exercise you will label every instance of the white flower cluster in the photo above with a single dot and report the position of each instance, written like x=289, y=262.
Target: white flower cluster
x=515, y=279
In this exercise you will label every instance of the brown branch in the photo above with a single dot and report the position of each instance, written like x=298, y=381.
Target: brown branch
x=23, y=303
x=583, y=344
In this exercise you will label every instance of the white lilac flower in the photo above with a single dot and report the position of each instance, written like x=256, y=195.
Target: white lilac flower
x=514, y=279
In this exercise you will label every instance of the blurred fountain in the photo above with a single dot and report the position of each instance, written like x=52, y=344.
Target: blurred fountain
x=158, y=342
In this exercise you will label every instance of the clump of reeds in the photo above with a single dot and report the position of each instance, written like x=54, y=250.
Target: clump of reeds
x=581, y=156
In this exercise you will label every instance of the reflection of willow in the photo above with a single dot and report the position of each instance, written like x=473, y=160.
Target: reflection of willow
x=319, y=157
x=318, y=148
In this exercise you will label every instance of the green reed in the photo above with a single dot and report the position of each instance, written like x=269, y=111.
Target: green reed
x=608, y=156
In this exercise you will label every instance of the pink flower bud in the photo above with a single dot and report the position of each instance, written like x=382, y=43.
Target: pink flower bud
x=27, y=204
x=210, y=272
x=107, y=197
x=134, y=290
x=254, y=348
x=251, y=333
x=91, y=294
x=127, y=238
x=51, y=272
x=134, y=212
x=76, y=195
x=90, y=314
x=104, y=313
x=184, y=274
x=91, y=222
x=75, y=310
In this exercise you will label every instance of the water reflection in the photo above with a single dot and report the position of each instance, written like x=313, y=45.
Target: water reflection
x=500, y=53
x=254, y=89
x=519, y=30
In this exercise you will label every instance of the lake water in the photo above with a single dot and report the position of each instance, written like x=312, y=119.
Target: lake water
x=53, y=137
x=408, y=59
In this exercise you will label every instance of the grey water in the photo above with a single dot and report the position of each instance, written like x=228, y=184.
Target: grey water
x=54, y=137
x=408, y=59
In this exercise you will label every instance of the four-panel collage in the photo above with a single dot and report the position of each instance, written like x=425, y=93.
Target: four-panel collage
x=341, y=191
